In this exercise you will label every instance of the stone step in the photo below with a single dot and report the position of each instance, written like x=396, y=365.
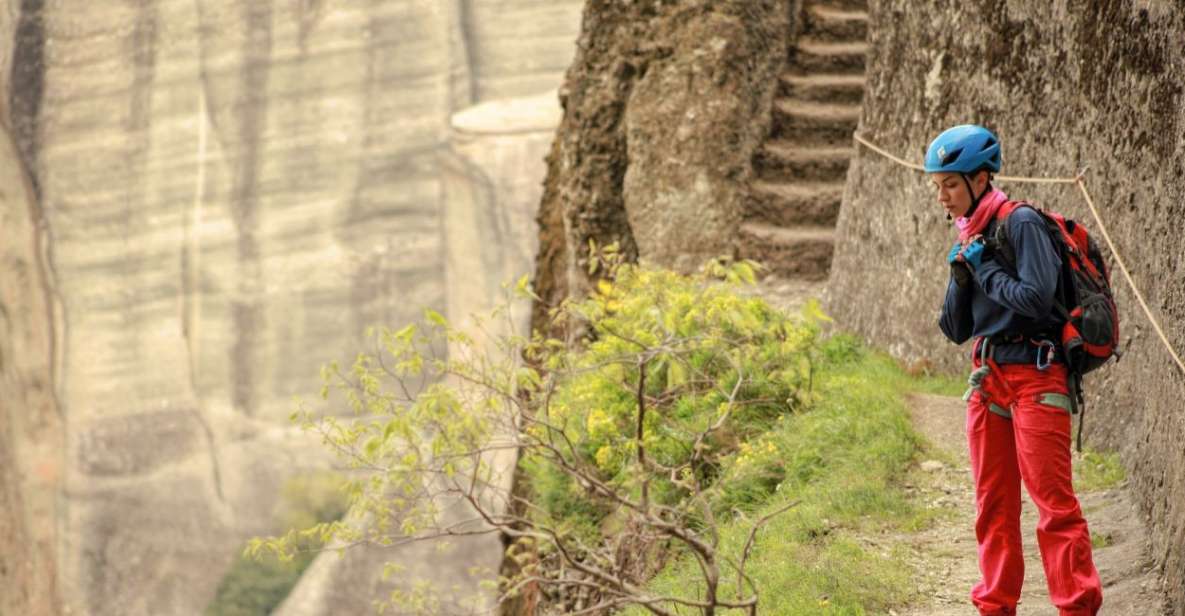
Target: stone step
x=830, y=23
x=799, y=203
x=848, y=5
x=781, y=161
x=791, y=252
x=814, y=56
x=832, y=88
x=814, y=122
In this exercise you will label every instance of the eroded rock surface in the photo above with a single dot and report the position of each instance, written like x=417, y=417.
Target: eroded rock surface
x=664, y=106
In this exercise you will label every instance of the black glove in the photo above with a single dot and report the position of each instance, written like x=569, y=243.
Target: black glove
x=958, y=268
x=961, y=273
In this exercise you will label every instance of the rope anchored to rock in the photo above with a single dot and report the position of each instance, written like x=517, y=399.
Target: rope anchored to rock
x=1081, y=182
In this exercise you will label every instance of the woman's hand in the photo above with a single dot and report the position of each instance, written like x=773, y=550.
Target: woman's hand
x=958, y=269
x=954, y=252
x=970, y=252
x=973, y=252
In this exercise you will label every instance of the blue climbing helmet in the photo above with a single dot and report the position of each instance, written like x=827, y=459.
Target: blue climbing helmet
x=966, y=148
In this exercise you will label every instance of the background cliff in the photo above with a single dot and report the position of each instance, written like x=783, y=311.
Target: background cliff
x=1065, y=85
x=217, y=198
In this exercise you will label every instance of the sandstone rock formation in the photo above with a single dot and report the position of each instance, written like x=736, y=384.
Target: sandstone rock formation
x=30, y=423
x=227, y=194
x=1066, y=85
x=491, y=180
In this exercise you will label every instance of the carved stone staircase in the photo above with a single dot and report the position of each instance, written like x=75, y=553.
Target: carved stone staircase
x=789, y=225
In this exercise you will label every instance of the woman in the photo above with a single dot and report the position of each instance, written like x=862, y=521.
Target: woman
x=1018, y=412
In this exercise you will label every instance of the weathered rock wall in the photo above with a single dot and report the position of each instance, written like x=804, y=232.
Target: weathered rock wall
x=664, y=105
x=1065, y=84
x=491, y=174
x=31, y=435
x=235, y=191
x=30, y=424
x=520, y=47
x=230, y=193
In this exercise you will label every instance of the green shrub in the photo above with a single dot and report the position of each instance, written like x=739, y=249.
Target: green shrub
x=255, y=587
x=711, y=353
x=624, y=434
x=840, y=463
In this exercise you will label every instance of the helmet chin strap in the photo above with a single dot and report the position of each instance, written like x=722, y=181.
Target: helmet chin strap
x=974, y=199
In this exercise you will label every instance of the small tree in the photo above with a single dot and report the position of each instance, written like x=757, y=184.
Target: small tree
x=631, y=438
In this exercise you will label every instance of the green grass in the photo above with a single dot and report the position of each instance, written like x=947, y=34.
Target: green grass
x=940, y=384
x=1095, y=471
x=842, y=461
x=1100, y=540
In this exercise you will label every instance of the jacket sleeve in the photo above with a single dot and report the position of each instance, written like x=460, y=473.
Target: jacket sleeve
x=956, y=320
x=1030, y=293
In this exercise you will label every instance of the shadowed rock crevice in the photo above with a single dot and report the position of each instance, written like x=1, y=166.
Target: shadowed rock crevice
x=31, y=420
x=31, y=331
x=26, y=83
x=248, y=316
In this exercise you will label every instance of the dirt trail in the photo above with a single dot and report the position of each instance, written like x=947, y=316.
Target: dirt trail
x=944, y=556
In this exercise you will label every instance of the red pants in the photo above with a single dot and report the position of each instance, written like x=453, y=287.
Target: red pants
x=1033, y=445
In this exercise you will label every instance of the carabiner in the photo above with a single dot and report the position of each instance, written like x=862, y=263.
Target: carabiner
x=1042, y=345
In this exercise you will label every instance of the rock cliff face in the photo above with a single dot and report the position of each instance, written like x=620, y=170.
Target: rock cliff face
x=30, y=423
x=1065, y=84
x=491, y=174
x=225, y=195
x=31, y=426
x=664, y=107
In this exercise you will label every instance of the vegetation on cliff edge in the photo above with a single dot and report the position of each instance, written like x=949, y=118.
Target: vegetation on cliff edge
x=682, y=422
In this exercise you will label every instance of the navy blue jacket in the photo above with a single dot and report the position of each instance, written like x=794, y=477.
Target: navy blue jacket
x=1002, y=300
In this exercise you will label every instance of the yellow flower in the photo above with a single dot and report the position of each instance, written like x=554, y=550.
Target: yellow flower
x=604, y=456
x=599, y=424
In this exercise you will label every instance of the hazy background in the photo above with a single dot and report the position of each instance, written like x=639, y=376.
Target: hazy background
x=218, y=198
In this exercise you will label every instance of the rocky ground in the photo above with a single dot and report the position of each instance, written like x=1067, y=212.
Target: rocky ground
x=944, y=556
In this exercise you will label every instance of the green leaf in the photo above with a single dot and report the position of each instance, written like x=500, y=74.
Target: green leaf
x=406, y=333
x=676, y=374
x=435, y=317
x=814, y=312
x=745, y=272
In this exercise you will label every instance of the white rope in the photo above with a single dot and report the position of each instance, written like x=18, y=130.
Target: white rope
x=1081, y=182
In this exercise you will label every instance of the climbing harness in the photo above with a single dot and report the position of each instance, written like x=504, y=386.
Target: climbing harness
x=1073, y=403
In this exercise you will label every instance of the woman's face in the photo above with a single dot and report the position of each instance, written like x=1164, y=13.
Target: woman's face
x=952, y=191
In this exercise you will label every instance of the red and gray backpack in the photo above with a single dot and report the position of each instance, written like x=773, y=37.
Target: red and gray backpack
x=1090, y=334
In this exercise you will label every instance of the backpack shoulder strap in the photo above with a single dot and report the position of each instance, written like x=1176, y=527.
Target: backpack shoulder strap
x=1000, y=240
x=1008, y=207
x=1004, y=248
